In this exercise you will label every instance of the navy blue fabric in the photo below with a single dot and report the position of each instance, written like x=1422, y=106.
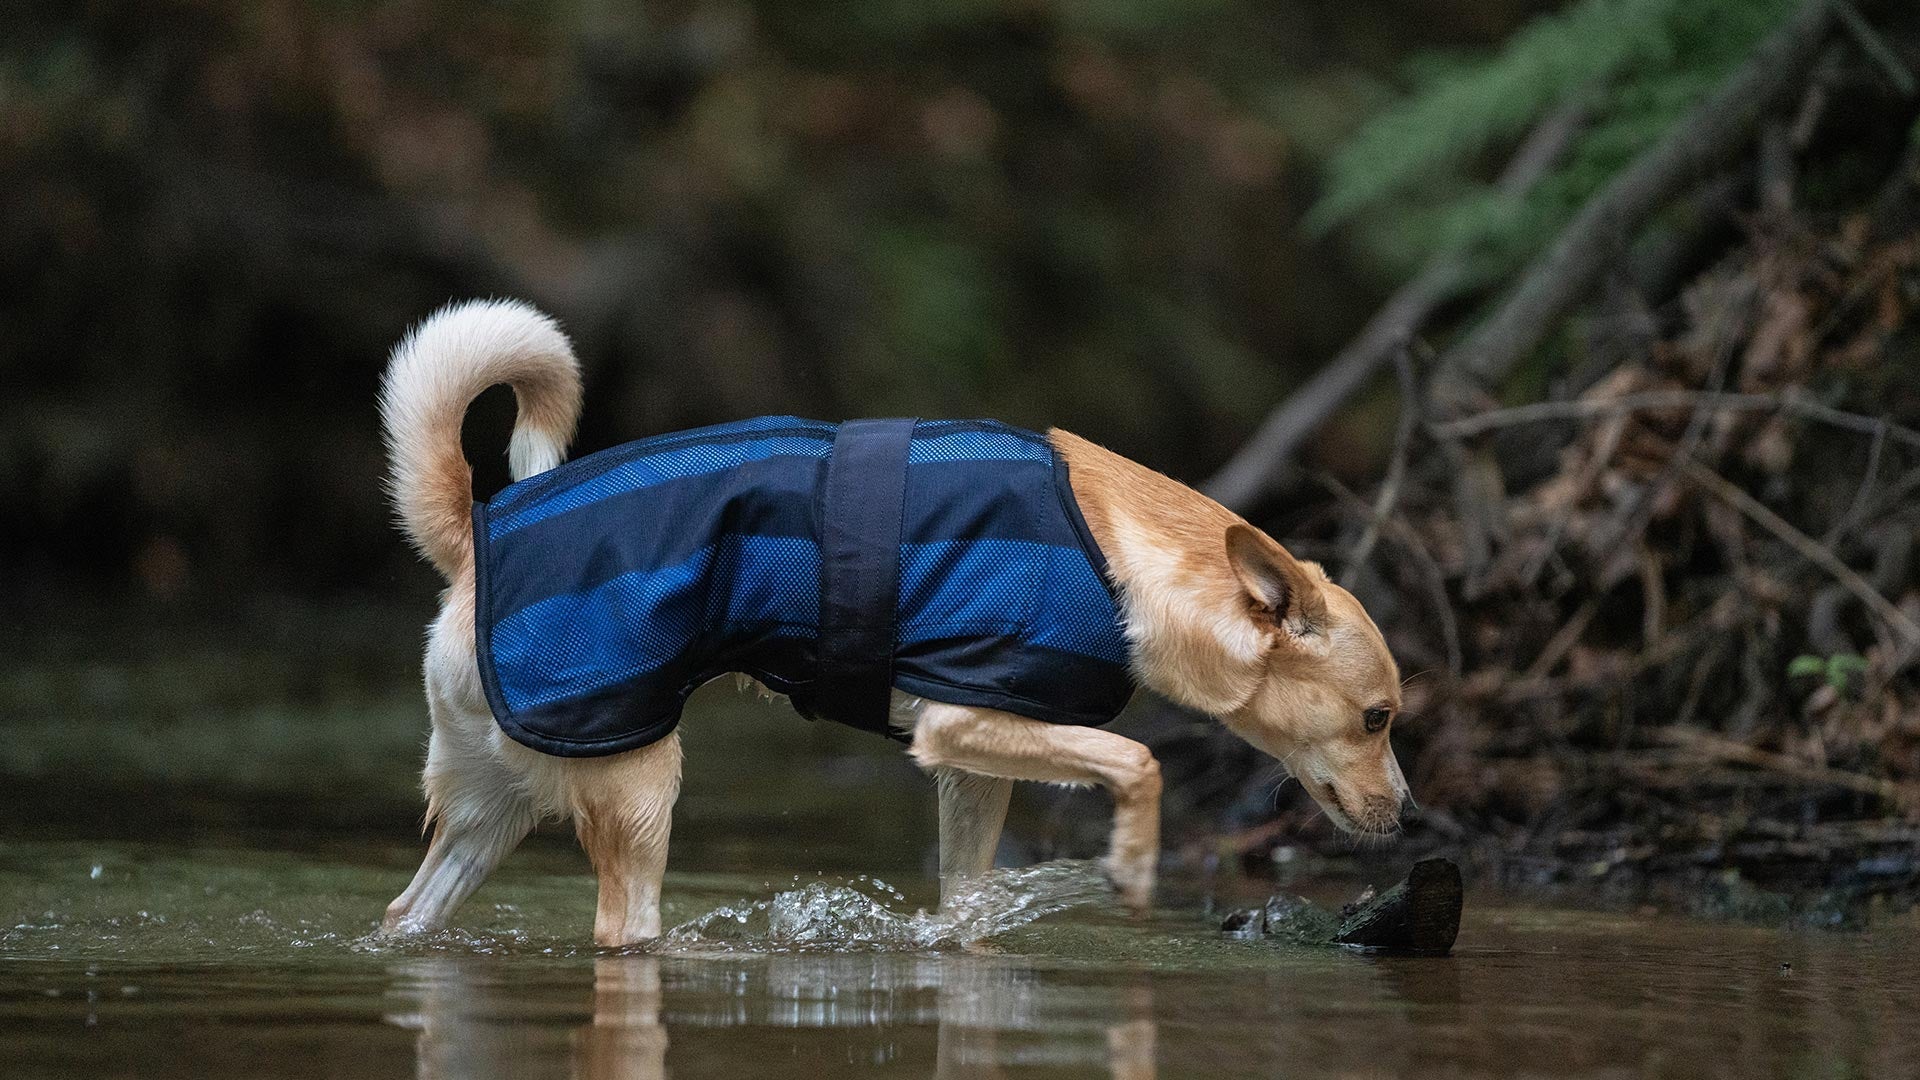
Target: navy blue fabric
x=611, y=587
x=860, y=526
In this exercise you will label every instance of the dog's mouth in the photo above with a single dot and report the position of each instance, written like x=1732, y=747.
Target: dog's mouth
x=1329, y=802
x=1328, y=797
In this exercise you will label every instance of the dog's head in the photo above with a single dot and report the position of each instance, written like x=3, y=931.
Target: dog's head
x=1325, y=689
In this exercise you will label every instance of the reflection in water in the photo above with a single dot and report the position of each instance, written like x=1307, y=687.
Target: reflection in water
x=470, y=1023
x=625, y=1039
x=478, y=1016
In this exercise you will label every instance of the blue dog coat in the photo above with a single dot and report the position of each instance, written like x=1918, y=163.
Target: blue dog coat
x=831, y=562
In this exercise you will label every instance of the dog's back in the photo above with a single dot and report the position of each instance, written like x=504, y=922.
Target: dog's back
x=613, y=586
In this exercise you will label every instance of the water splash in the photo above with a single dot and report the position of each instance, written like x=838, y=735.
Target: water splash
x=840, y=918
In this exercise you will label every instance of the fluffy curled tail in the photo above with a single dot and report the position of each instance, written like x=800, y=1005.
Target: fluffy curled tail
x=435, y=373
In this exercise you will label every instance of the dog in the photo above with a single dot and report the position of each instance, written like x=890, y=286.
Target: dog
x=1208, y=611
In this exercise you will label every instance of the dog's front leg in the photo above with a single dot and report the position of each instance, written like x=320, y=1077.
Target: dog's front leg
x=973, y=809
x=1001, y=744
x=623, y=812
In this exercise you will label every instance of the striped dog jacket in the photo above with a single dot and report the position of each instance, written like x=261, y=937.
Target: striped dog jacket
x=834, y=563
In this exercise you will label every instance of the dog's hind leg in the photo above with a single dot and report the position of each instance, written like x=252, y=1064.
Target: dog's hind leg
x=623, y=810
x=973, y=809
x=479, y=815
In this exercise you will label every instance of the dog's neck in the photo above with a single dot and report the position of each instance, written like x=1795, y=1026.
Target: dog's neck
x=1186, y=616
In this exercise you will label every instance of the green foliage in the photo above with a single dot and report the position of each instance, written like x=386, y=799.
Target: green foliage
x=1415, y=173
x=1839, y=670
x=942, y=309
x=1081, y=212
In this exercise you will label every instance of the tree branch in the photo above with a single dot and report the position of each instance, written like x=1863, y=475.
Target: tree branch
x=1799, y=404
x=1714, y=131
x=1396, y=467
x=1249, y=473
x=1906, y=631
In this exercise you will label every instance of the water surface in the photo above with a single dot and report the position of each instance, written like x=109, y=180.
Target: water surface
x=191, y=871
x=122, y=959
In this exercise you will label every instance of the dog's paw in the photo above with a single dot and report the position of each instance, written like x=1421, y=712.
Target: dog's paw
x=1133, y=880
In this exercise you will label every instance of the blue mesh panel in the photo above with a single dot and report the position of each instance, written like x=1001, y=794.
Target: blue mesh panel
x=570, y=645
x=977, y=446
x=990, y=586
x=775, y=582
x=669, y=464
x=757, y=424
x=967, y=586
x=1077, y=613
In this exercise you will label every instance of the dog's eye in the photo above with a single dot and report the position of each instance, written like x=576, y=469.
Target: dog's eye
x=1376, y=719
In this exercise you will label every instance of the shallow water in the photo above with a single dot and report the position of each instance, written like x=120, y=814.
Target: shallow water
x=225, y=962
x=212, y=917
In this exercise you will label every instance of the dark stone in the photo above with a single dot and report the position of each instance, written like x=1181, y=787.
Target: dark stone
x=1247, y=922
x=1299, y=921
x=1418, y=917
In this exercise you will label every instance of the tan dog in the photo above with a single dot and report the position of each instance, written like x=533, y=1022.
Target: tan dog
x=1218, y=617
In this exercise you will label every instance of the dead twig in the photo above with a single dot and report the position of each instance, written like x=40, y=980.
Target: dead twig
x=1863, y=494
x=1584, y=409
x=1562, y=642
x=1719, y=748
x=1653, y=590
x=1876, y=48
x=1436, y=578
x=1625, y=529
x=1730, y=493
x=1397, y=466
x=1590, y=473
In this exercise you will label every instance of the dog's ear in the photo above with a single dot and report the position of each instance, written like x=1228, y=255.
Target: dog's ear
x=1281, y=588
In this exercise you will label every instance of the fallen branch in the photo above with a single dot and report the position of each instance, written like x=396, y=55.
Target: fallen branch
x=1416, y=547
x=1877, y=49
x=1248, y=474
x=1396, y=466
x=1714, y=131
x=1562, y=642
x=1724, y=749
x=1540, y=411
x=1809, y=548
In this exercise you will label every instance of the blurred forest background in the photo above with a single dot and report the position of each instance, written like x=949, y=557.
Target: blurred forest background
x=220, y=216
x=1573, y=335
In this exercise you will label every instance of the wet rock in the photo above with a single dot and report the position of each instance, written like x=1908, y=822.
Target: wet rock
x=1298, y=920
x=1247, y=922
x=1418, y=917
x=1285, y=915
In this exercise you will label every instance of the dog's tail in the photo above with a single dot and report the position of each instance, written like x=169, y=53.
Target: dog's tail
x=435, y=373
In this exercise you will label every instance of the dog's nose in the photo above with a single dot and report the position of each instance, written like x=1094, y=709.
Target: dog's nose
x=1409, y=810
x=1383, y=812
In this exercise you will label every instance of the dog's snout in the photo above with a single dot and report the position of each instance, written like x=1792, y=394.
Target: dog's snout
x=1383, y=812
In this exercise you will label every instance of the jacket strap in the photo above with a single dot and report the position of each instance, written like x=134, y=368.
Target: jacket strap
x=861, y=511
